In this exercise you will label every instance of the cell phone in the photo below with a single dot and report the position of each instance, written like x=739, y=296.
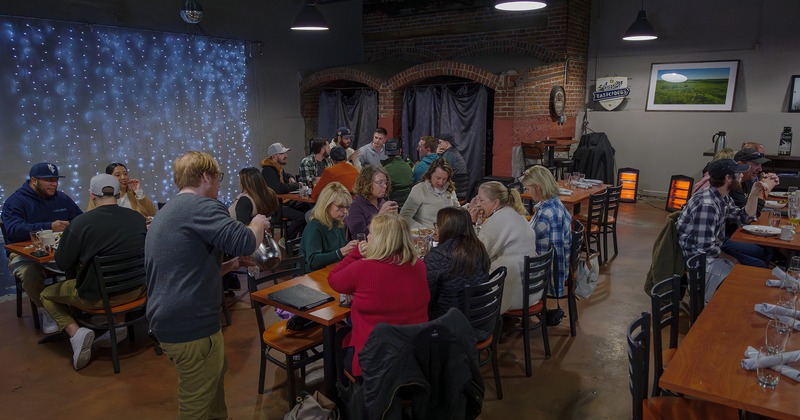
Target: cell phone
x=40, y=253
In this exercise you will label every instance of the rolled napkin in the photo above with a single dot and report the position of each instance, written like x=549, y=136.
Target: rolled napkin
x=592, y=181
x=751, y=354
x=564, y=191
x=774, y=283
x=769, y=311
x=788, y=372
x=780, y=274
x=581, y=184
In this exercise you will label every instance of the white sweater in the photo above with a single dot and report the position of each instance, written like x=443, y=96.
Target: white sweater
x=423, y=204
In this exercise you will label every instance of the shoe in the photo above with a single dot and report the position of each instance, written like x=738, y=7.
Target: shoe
x=49, y=326
x=81, y=347
x=105, y=339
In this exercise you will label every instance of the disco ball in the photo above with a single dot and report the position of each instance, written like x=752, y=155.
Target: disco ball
x=191, y=11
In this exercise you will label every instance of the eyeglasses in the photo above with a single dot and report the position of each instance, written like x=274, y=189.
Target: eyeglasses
x=381, y=183
x=341, y=207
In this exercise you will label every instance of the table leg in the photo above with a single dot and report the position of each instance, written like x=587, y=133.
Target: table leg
x=329, y=357
x=576, y=208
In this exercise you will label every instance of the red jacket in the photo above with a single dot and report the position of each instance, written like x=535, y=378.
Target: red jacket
x=342, y=172
x=382, y=292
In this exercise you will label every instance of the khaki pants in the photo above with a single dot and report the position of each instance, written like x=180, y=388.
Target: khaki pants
x=58, y=298
x=30, y=273
x=201, y=369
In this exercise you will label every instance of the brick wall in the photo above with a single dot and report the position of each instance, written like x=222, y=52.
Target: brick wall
x=557, y=36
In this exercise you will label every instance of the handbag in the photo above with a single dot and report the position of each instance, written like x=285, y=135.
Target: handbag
x=312, y=407
x=587, y=274
x=554, y=317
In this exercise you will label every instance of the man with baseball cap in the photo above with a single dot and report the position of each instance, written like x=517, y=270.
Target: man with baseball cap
x=283, y=183
x=344, y=138
x=448, y=149
x=341, y=172
x=754, y=159
x=399, y=171
x=36, y=205
x=701, y=225
x=107, y=230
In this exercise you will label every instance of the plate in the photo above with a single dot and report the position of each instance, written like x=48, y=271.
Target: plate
x=780, y=194
x=775, y=204
x=761, y=230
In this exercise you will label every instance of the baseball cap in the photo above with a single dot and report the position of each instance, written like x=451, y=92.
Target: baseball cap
x=102, y=182
x=448, y=138
x=392, y=147
x=338, y=154
x=44, y=170
x=342, y=131
x=750, y=155
x=719, y=168
x=276, y=148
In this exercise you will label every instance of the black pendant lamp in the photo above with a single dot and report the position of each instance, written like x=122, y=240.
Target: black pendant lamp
x=309, y=19
x=640, y=30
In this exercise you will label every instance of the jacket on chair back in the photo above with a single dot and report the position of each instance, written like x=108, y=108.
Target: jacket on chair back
x=434, y=365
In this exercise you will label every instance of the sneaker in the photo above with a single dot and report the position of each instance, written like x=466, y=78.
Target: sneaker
x=81, y=347
x=105, y=339
x=49, y=326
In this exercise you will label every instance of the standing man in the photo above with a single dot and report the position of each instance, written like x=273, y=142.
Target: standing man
x=447, y=148
x=373, y=153
x=701, y=225
x=311, y=166
x=399, y=172
x=107, y=230
x=36, y=205
x=426, y=149
x=341, y=172
x=345, y=139
x=183, y=259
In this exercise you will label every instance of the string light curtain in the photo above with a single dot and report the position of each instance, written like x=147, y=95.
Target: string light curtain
x=84, y=96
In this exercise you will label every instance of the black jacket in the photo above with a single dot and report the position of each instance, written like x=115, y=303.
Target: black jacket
x=594, y=157
x=276, y=178
x=434, y=365
x=447, y=289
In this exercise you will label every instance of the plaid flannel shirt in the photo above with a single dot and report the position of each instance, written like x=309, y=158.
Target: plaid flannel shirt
x=552, y=225
x=701, y=225
x=309, y=168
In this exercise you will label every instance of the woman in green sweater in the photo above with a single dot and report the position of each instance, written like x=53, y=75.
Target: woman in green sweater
x=323, y=239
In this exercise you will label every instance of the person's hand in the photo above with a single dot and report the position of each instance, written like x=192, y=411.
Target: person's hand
x=262, y=220
x=291, y=180
x=59, y=225
x=474, y=213
x=388, y=206
x=362, y=247
x=440, y=149
x=354, y=157
x=763, y=187
x=348, y=248
x=134, y=184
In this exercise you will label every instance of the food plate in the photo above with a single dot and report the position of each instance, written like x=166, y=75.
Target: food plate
x=780, y=194
x=779, y=204
x=761, y=230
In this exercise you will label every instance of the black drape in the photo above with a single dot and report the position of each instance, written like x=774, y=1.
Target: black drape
x=356, y=109
x=456, y=109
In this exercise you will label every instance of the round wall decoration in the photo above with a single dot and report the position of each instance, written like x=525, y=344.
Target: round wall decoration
x=558, y=100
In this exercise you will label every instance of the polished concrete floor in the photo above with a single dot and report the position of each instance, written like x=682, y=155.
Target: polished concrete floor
x=586, y=378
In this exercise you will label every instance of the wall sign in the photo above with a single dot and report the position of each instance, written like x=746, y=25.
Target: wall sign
x=611, y=91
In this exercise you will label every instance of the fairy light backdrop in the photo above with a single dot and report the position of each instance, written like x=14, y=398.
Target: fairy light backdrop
x=82, y=97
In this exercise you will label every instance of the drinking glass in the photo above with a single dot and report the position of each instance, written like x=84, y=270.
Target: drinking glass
x=573, y=179
x=36, y=240
x=774, y=218
x=793, y=210
x=361, y=237
x=479, y=222
x=767, y=377
x=253, y=271
x=791, y=190
x=776, y=336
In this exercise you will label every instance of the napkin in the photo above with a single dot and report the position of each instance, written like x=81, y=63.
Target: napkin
x=592, y=181
x=780, y=274
x=788, y=371
x=564, y=191
x=750, y=359
x=768, y=311
x=774, y=283
x=581, y=184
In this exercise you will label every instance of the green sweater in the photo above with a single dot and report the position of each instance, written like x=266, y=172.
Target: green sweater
x=322, y=245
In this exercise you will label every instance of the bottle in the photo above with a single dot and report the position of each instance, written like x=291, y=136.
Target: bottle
x=785, y=145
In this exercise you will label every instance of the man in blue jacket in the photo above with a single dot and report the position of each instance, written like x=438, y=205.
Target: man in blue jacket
x=36, y=205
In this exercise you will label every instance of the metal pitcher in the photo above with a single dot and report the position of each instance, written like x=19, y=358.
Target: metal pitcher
x=720, y=142
x=267, y=256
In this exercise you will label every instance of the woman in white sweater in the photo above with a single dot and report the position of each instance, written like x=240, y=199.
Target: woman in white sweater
x=434, y=192
x=507, y=237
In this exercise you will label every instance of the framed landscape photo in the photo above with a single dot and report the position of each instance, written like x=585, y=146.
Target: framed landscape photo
x=794, y=97
x=702, y=86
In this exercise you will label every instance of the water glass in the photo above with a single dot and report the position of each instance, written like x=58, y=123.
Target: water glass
x=774, y=218
x=36, y=240
x=791, y=190
x=767, y=377
x=574, y=177
x=361, y=237
x=253, y=271
x=776, y=336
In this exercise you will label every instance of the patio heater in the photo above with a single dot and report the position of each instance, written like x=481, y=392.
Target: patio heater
x=629, y=179
x=680, y=189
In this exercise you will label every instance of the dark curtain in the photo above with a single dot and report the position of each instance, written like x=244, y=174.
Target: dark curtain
x=456, y=109
x=356, y=109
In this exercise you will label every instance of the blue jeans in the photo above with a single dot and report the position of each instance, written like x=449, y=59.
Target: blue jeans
x=748, y=254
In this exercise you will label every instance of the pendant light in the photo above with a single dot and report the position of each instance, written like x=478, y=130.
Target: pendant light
x=519, y=5
x=309, y=19
x=640, y=30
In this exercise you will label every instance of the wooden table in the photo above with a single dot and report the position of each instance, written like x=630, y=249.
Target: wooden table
x=707, y=364
x=327, y=315
x=296, y=197
x=774, y=241
x=22, y=249
x=574, y=200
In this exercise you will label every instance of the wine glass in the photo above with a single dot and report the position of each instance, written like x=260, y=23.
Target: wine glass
x=479, y=222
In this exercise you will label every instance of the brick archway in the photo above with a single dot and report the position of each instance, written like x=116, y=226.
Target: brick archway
x=322, y=77
x=508, y=47
x=443, y=68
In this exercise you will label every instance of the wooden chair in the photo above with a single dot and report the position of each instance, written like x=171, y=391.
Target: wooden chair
x=562, y=164
x=117, y=274
x=638, y=336
x=534, y=154
x=696, y=272
x=298, y=347
x=482, y=308
x=593, y=218
x=608, y=225
x=536, y=278
x=665, y=299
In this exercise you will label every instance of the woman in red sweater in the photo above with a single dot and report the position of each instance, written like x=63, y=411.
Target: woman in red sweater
x=387, y=281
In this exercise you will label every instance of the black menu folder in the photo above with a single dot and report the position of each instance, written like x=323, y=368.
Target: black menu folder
x=300, y=297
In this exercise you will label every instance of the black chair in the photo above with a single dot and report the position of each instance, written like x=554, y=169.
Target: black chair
x=696, y=272
x=562, y=164
x=593, y=220
x=117, y=274
x=536, y=278
x=638, y=336
x=665, y=298
x=298, y=347
x=482, y=308
x=569, y=282
x=608, y=225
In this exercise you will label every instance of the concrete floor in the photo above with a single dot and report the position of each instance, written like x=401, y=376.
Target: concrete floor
x=586, y=378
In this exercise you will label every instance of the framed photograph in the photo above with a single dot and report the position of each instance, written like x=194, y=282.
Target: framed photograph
x=703, y=86
x=794, y=97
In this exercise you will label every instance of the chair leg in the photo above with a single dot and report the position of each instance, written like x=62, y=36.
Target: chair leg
x=112, y=331
x=572, y=307
x=262, y=370
x=526, y=342
x=18, y=286
x=605, y=246
x=496, y=368
x=614, y=238
x=35, y=312
x=290, y=378
x=545, y=338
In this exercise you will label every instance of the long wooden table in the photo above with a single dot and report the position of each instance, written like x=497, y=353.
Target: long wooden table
x=578, y=195
x=25, y=249
x=774, y=241
x=707, y=364
x=327, y=315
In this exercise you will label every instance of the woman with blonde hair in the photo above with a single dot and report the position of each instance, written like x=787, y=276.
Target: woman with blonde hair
x=551, y=222
x=387, y=281
x=130, y=192
x=256, y=197
x=435, y=191
x=323, y=239
x=507, y=236
x=370, y=190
